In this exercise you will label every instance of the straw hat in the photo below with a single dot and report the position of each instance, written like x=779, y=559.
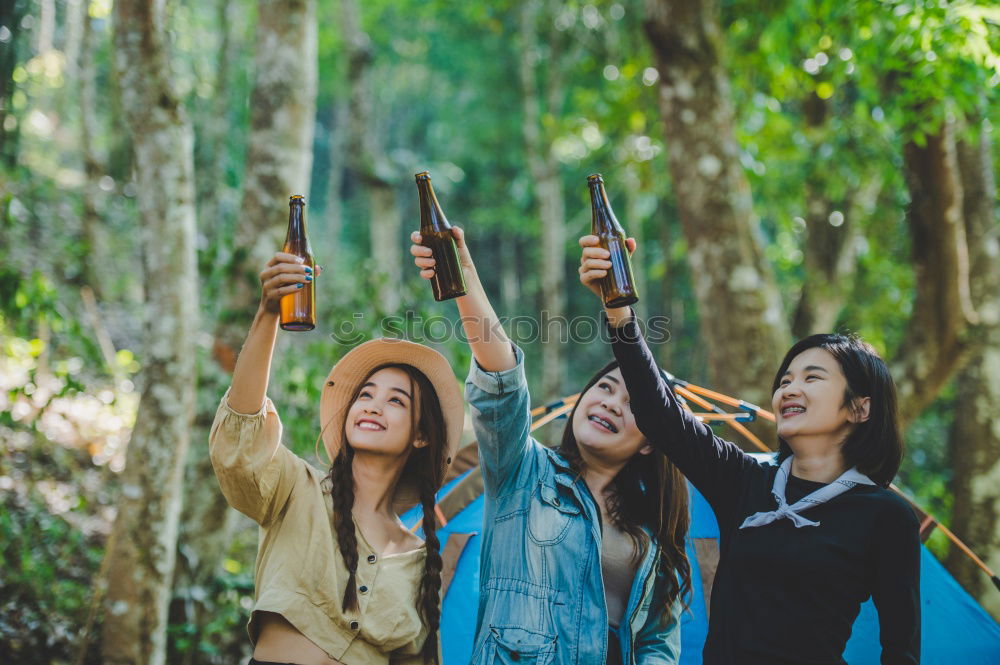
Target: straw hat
x=358, y=364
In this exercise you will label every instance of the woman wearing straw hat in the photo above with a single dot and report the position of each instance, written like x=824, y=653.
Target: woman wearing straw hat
x=339, y=579
x=804, y=542
x=583, y=558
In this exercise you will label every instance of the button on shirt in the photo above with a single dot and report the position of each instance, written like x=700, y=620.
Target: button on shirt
x=300, y=573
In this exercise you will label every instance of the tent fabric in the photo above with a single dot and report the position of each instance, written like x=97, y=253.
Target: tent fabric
x=955, y=629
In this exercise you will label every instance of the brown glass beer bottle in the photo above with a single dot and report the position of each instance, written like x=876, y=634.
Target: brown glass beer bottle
x=435, y=231
x=298, y=310
x=618, y=287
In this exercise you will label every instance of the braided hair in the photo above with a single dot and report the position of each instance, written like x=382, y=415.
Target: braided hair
x=429, y=599
x=426, y=464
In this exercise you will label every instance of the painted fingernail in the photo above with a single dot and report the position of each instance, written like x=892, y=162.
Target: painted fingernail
x=299, y=285
x=308, y=278
x=308, y=270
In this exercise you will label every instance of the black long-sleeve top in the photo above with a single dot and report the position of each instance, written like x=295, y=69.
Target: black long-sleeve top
x=782, y=594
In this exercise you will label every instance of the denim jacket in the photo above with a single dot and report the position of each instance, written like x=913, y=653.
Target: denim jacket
x=541, y=595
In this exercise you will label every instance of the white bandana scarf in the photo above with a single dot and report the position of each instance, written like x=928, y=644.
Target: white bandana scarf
x=849, y=479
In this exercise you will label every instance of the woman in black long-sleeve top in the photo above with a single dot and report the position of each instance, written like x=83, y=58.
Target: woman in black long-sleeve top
x=804, y=542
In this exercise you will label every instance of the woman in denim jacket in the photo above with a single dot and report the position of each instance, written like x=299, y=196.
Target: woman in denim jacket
x=583, y=558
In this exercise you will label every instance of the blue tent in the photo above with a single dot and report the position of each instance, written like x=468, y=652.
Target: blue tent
x=956, y=630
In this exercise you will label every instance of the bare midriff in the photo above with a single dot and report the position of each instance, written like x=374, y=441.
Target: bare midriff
x=279, y=642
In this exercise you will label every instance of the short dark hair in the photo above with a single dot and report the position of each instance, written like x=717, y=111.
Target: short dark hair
x=875, y=446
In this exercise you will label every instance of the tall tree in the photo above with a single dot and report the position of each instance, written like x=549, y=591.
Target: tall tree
x=829, y=257
x=11, y=14
x=743, y=324
x=546, y=176
x=279, y=162
x=974, y=440
x=377, y=174
x=141, y=561
x=942, y=308
x=279, y=156
x=83, y=71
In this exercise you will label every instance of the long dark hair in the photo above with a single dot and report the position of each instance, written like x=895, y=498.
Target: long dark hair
x=426, y=464
x=648, y=492
x=874, y=446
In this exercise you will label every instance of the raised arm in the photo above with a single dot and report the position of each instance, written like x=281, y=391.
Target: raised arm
x=489, y=343
x=495, y=389
x=245, y=440
x=284, y=274
x=713, y=465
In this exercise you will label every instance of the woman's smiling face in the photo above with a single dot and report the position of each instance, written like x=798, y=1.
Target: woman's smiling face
x=809, y=400
x=380, y=420
x=603, y=424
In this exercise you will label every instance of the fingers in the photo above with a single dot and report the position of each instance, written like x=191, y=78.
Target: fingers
x=588, y=277
x=588, y=241
x=284, y=257
x=285, y=290
x=459, y=235
x=419, y=250
x=630, y=245
x=595, y=264
x=285, y=280
x=296, y=269
x=422, y=256
x=595, y=253
x=422, y=262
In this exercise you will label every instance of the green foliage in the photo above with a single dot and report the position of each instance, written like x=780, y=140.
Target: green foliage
x=46, y=586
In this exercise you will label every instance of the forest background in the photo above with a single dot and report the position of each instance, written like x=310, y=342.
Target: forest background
x=788, y=167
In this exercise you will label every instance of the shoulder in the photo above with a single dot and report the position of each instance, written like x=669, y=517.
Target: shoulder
x=894, y=514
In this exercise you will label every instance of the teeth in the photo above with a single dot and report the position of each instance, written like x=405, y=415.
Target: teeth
x=793, y=409
x=605, y=423
x=370, y=425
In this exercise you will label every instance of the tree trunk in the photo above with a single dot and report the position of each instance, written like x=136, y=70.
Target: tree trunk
x=279, y=156
x=548, y=192
x=974, y=441
x=216, y=195
x=335, y=181
x=11, y=14
x=142, y=558
x=90, y=220
x=279, y=163
x=935, y=342
x=829, y=247
x=370, y=164
x=76, y=15
x=742, y=321
x=46, y=26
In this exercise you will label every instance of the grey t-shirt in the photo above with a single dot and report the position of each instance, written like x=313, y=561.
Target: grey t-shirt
x=618, y=567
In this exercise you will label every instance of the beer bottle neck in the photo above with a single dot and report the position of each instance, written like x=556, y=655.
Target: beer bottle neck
x=604, y=219
x=297, y=240
x=431, y=216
